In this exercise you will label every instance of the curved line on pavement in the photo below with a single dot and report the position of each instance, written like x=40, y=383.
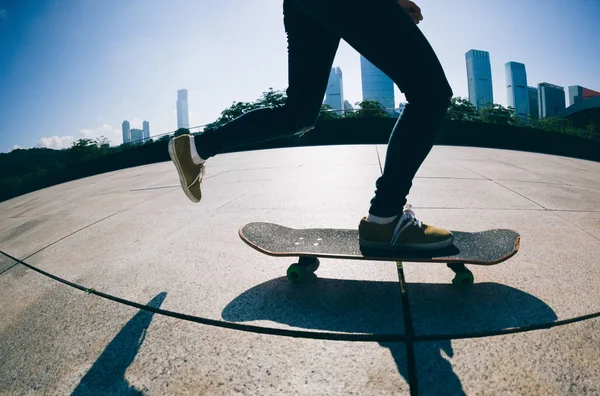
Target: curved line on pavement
x=317, y=335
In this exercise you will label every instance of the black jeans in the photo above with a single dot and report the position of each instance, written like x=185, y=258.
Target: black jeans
x=384, y=34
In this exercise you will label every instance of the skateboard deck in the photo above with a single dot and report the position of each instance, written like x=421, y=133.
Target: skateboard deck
x=479, y=248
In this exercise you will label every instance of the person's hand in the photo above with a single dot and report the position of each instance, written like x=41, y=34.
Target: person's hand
x=412, y=9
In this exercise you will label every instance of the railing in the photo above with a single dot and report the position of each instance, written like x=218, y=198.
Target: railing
x=194, y=129
x=200, y=128
x=397, y=110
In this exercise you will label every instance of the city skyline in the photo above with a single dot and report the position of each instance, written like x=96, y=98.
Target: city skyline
x=183, y=115
x=578, y=93
x=376, y=85
x=551, y=99
x=479, y=78
x=334, y=95
x=532, y=93
x=126, y=132
x=517, y=91
x=526, y=101
x=88, y=90
x=132, y=135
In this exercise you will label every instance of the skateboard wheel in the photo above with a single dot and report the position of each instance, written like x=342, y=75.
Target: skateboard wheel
x=296, y=273
x=463, y=279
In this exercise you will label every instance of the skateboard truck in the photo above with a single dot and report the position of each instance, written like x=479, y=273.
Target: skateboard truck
x=306, y=265
x=463, y=277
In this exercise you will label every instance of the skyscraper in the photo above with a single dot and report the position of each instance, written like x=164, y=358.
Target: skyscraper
x=533, y=103
x=479, y=76
x=551, y=100
x=183, y=119
x=137, y=135
x=146, y=129
x=334, y=96
x=516, y=87
x=578, y=93
x=347, y=105
x=126, y=132
x=376, y=85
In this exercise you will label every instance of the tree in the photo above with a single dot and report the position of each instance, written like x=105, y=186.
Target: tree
x=555, y=124
x=83, y=148
x=368, y=109
x=531, y=121
x=498, y=114
x=234, y=111
x=102, y=143
x=462, y=110
x=592, y=130
x=327, y=113
x=181, y=131
x=564, y=125
x=271, y=98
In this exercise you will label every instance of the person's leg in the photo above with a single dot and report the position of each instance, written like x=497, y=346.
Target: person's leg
x=311, y=50
x=386, y=35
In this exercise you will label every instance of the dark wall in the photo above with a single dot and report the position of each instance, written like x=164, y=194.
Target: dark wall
x=452, y=133
x=518, y=138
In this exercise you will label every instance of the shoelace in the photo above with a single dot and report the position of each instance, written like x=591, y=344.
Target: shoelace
x=408, y=218
x=198, y=178
x=302, y=131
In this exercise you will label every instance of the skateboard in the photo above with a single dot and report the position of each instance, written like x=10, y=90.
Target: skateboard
x=478, y=248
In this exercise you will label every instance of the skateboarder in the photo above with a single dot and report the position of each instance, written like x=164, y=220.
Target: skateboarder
x=385, y=32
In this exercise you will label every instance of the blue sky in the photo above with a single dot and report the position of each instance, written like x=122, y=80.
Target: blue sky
x=78, y=68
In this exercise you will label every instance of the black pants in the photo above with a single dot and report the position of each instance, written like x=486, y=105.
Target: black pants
x=385, y=35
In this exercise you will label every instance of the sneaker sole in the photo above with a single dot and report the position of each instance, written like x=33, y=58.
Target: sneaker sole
x=184, y=186
x=407, y=246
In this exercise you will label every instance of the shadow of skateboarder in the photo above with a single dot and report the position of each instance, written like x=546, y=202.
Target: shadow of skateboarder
x=107, y=375
x=356, y=306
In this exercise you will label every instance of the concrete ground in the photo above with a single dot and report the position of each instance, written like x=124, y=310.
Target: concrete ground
x=133, y=234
